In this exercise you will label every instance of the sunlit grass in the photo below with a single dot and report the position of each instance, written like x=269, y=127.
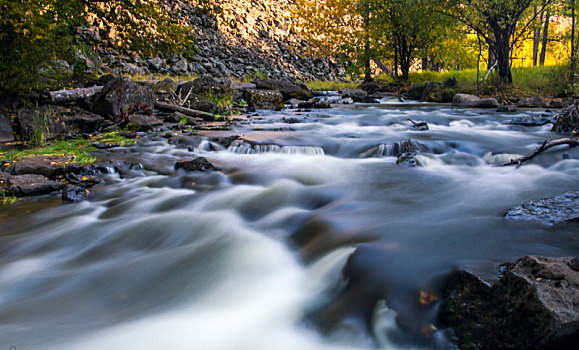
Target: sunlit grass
x=161, y=77
x=321, y=85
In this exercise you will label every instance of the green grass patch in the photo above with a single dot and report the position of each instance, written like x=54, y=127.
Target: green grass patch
x=161, y=77
x=78, y=148
x=8, y=200
x=324, y=85
x=113, y=138
x=221, y=100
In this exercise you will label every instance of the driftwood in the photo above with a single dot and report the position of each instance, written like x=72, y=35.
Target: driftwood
x=167, y=107
x=545, y=146
x=67, y=96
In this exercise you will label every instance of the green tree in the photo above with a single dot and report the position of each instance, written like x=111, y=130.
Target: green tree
x=499, y=22
x=34, y=33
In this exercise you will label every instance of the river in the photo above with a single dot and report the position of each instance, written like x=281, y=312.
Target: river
x=309, y=237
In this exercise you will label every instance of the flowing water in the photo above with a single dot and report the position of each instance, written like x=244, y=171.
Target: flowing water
x=310, y=236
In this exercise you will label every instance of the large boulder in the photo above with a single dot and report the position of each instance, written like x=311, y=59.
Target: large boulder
x=48, y=166
x=465, y=100
x=142, y=122
x=32, y=185
x=123, y=96
x=288, y=89
x=534, y=305
x=530, y=102
x=358, y=95
x=436, y=92
x=50, y=122
x=205, y=85
x=6, y=132
x=264, y=99
x=416, y=91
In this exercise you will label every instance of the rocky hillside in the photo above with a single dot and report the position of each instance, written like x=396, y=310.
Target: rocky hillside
x=250, y=38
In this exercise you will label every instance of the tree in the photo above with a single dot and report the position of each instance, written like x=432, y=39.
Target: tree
x=498, y=22
x=34, y=33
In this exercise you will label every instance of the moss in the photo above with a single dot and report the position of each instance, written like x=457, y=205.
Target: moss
x=113, y=138
x=319, y=85
x=78, y=148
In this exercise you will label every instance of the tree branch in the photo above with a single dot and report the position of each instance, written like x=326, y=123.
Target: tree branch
x=545, y=146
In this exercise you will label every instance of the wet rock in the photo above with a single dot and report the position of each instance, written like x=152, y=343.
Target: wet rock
x=315, y=102
x=416, y=91
x=205, y=85
x=357, y=95
x=121, y=96
x=420, y=126
x=74, y=194
x=568, y=121
x=204, y=105
x=548, y=211
x=6, y=132
x=408, y=160
x=49, y=166
x=531, y=121
x=264, y=99
x=346, y=101
x=194, y=164
x=436, y=92
x=532, y=306
x=465, y=100
x=225, y=141
x=32, y=185
x=288, y=89
x=294, y=102
x=142, y=122
x=50, y=122
x=530, y=102
x=507, y=109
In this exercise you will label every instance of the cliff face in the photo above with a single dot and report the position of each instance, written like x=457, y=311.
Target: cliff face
x=250, y=38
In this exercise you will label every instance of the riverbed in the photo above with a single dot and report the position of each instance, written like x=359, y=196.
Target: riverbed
x=310, y=235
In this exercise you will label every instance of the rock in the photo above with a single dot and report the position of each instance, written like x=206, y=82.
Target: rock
x=32, y=185
x=6, y=132
x=74, y=194
x=50, y=122
x=507, y=108
x=202, y=104
x=568, y=121
x=167, y=85
x=408, y=160
x=294, y=102
x=465, y=100
x=346, y=101
x=358, y=95
x=155, y=64
x=48, y=166
x=530, y=102
x=532, y=306
x=123, y=96
x=242, y=86
x=530, y=121
x=174, y=117
x=288, y=89
x=450, y=83
x=264, y=99
x=548, y=211
x=142, y=122
x=416, y=91
x=194, y=164
x=205, y=85
x=435, y=92
x=314, y=102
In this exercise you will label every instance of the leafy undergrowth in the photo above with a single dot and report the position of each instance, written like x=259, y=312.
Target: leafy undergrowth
x=78, y=148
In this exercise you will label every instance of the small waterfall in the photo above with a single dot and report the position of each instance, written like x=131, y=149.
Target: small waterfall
x=247, y=148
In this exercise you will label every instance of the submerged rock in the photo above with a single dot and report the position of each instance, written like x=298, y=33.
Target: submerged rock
x=531, y=121
x=408, y=160
x=465, y=100
x=195, y=164
x=532, y=306
x=32, y=185
x=548, y=211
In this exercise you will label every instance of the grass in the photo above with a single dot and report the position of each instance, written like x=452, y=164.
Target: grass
x=8, y=200
x=322, y=85
x=78, y=148
x=161, y=77
x=221, y=100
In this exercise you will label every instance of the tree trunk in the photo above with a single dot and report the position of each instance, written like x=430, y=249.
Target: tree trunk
x=537, y=37
x=545, y=40
x=424, y=63
x=395, y=57
x=573, y=53
x=367, y=54
x=404, y=59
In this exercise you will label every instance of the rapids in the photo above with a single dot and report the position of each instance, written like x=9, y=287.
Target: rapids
x=310, y=236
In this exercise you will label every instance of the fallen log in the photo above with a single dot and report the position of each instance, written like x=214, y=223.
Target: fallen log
x=544, y=146
x=167, y=107
x=67, y=96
